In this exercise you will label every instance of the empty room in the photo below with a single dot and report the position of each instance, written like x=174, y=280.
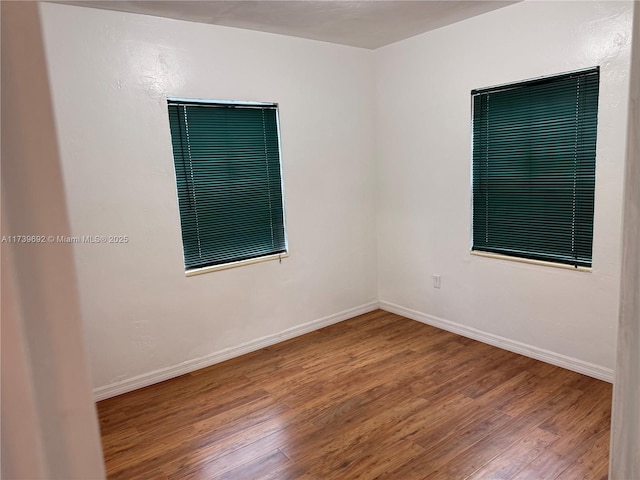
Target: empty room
x=320, y=240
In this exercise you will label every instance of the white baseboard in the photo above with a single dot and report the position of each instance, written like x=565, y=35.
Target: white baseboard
x=553, y=358
x=166, y=373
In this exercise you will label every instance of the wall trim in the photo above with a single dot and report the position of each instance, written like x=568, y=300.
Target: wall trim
x=156, y=376
x=160, y=375
x=564, y=361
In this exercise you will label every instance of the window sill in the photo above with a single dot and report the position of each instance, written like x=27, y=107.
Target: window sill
x=225, y=266
x=528, y=260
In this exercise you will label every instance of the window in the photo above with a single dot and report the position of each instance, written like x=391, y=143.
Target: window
x=227, y=163
x=534, y=152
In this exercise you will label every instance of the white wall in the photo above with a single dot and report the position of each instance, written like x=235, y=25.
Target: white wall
x=423, y=155
x=110, y=74
x=625, y=428
x=367, y=137
x=49, y=423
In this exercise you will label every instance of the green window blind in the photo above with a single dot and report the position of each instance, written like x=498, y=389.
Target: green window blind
x=227, y=163
x=534, y=152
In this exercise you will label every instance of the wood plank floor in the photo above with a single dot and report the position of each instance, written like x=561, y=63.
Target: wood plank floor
x=375, y=397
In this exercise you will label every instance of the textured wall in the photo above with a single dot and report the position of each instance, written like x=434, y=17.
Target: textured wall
x=110, y=74
x=625, y=432
x=49, y=423
x=424, y=194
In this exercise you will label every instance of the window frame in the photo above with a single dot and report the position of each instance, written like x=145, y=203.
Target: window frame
x=549, y=261
x=193, y=271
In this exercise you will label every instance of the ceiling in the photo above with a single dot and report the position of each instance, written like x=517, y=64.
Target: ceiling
x=367, y=24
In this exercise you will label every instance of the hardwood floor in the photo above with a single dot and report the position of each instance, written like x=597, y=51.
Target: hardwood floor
x=375, y=397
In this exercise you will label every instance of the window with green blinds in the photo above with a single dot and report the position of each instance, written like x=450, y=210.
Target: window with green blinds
x=534, y=153
x=227, y=163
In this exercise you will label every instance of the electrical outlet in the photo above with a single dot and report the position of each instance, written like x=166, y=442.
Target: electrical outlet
x=436, y=280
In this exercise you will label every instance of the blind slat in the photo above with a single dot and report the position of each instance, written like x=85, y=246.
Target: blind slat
x=227, y=163
x=534, y=168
